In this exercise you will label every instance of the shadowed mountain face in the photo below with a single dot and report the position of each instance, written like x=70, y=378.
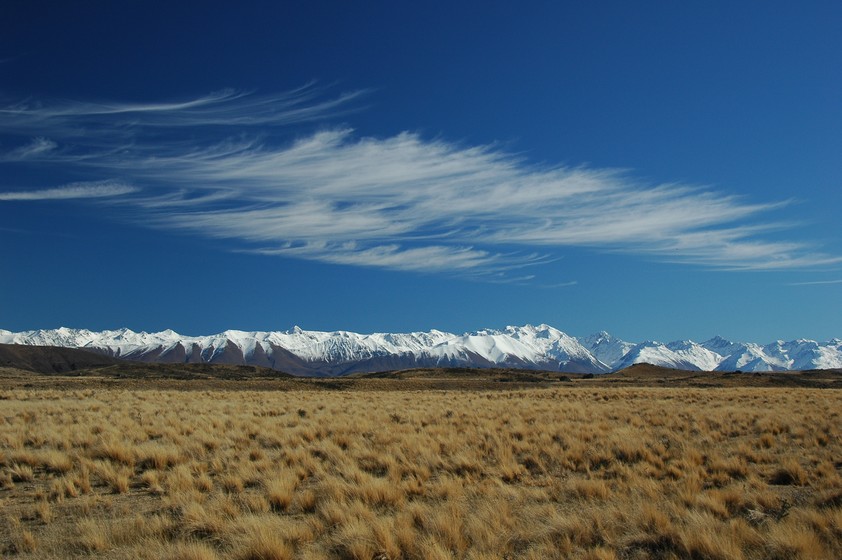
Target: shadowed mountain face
x=49, y=359
x=228, y=352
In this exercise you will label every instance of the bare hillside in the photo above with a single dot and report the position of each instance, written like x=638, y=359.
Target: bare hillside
x=50, y=359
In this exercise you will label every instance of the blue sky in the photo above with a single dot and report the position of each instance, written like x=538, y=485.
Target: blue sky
x=661, y=172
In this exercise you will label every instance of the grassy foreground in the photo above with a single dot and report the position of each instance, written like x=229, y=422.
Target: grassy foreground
x=560, y=472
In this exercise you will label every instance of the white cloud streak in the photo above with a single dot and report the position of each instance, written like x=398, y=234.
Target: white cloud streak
x=817, y=283
x=37, y=147
x=431, y=257
x=226, y=108
x=399, y=202
x=101, y=189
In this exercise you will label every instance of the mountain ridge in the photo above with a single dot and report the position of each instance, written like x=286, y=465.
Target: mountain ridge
x=333, y=353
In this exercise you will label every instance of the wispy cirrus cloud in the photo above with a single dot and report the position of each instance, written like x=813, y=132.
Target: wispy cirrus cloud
x=817, y=283
x=37, y=147
x=399, y=202
x=226, y=108
x=99, y=189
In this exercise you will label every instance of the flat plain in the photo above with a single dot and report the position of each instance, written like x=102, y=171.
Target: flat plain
x=232, y=463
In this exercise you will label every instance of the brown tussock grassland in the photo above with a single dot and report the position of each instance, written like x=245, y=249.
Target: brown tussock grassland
x=551, y=472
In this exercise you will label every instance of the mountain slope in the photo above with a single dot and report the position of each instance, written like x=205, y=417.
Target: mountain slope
x=606, y=348
x=543, y=347
x=49, y=359
x=659, y=354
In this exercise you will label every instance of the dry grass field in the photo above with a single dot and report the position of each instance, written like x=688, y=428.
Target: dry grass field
x=565, y=471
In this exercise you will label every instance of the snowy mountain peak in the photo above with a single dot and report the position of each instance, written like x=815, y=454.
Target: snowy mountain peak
x=606, y=348
x=529, y=346
x=717, y=342
x=535, y=331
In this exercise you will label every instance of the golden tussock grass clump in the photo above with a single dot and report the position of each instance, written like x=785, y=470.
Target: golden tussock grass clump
x=571, y=472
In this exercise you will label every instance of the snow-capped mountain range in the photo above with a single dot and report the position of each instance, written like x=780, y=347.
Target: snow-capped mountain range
x=542, y=347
